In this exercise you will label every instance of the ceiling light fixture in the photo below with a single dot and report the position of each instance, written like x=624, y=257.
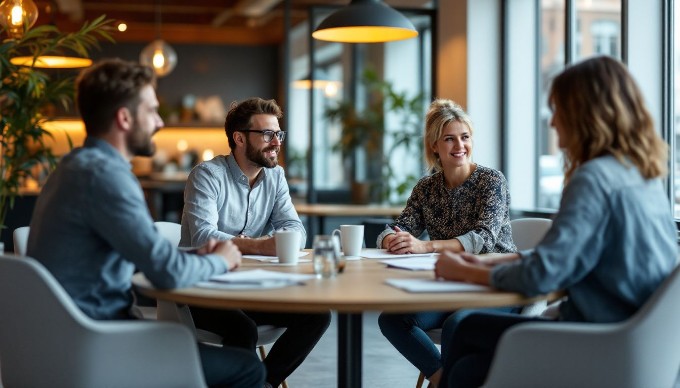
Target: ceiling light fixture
x=17, y=16
x=158, y=54
x=322, y=81
x=365, y=21
x=52, y=62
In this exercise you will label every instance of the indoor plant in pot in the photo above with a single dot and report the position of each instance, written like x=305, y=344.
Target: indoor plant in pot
x=367, y=134
x=26, y=97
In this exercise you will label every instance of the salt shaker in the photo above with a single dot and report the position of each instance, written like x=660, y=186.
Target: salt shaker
x=325, y=256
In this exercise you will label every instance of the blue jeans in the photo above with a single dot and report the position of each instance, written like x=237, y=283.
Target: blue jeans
x=471, y=343
x=406, y=332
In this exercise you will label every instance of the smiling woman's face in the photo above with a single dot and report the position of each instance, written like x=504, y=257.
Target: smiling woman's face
x=454, y=146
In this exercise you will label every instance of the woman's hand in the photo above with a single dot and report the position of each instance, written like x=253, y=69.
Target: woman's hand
x=462, y=267
x=403, y=242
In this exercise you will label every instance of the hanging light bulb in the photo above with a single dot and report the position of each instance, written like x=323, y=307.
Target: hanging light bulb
x=158, y=54
x=17, y=16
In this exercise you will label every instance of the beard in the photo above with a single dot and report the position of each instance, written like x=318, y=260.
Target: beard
x=139, y=142
x=257, y=156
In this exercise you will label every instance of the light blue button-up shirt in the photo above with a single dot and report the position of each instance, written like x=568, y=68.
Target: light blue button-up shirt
x=219, y=203
x=610, y=246
x=91, y=227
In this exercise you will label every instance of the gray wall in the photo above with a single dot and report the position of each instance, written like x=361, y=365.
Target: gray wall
x=232, y=72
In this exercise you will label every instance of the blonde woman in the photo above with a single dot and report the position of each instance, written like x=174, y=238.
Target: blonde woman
x=613, y=240
x=463, y=206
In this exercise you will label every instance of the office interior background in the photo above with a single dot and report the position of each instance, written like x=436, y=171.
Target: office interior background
x=494, y=57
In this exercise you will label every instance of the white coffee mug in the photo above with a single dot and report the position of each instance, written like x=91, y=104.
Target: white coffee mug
x=351, y=239
x=287, y=246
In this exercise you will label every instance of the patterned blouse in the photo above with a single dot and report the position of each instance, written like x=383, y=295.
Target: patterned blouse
x=477, y=212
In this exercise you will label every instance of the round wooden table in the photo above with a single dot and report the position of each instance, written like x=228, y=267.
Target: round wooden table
x=361, y=287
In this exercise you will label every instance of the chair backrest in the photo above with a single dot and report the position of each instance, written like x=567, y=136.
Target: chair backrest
x=528, y=232
x=20, y=237
x=46, y=340
x=170, y=231
x=653, y=335
x=642, y=351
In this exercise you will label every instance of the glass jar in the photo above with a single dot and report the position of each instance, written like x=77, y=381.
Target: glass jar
x=325, y=256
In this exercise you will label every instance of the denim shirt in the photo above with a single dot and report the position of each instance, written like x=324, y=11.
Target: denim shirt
x=610, y=246
x=91, y=227
x=219, y=203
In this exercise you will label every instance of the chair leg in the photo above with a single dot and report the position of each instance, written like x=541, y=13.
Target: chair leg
x=263, y=354
x=421, y=379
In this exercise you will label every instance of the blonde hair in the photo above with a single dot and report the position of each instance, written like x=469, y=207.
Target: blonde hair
x=439, y=115
x=603, y=113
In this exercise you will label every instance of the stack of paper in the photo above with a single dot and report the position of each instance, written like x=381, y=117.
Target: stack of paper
x=420, y=263
x=255, y=279
x=274, y=259
x=434, y=285
x=383, y=254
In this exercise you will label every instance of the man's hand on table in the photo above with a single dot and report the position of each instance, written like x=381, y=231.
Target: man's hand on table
x=227, y=249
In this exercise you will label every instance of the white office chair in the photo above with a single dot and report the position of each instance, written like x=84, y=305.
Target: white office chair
x=526, y=233
x=643, y=351
x=170, y=311
x=72, y=350
x=20, y=237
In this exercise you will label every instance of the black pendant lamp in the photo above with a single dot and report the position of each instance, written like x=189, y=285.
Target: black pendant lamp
x=365, y=21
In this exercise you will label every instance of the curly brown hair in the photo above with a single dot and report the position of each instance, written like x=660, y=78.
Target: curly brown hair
x=240, y=113
x=603, y=112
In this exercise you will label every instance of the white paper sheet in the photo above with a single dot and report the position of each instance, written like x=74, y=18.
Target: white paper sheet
x=275, y=259
x=259, y=275
x=383, y=254
x=432, y=285
x=255, y=279
x=420, y=263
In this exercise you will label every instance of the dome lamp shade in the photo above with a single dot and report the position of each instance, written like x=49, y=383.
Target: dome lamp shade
x=365, y=21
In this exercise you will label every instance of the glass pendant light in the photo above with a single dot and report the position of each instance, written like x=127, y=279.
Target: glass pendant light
x=12, y=16
x=158, y=54
x=17, y=16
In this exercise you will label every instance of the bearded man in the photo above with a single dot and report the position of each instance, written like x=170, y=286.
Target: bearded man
x=244, y=197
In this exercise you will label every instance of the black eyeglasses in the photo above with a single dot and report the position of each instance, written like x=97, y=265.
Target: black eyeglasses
x=268, y=135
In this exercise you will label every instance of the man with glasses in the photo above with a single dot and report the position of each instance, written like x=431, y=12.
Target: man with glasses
x=244, y=197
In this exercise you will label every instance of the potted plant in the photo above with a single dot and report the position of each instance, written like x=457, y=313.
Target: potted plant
x=364, y=131
x=27, y=95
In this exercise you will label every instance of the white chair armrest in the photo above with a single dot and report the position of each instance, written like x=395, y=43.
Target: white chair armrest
x=171, y=346
x=557, y=354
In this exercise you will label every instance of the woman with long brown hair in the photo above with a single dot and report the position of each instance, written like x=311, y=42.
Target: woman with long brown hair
x=613, y=240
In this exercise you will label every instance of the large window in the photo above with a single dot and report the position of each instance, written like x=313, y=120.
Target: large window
x=676, y=109
x=319, y=170
x=569, y=31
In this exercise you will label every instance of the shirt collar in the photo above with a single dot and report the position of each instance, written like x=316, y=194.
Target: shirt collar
x=238, y=175
x=105, y=147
